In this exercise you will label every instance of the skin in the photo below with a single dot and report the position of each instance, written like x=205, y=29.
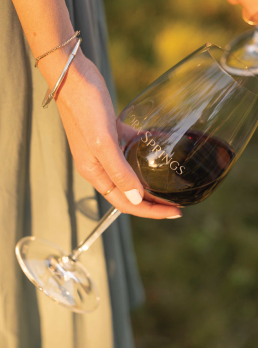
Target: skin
x=85, y=108
x=250, y=9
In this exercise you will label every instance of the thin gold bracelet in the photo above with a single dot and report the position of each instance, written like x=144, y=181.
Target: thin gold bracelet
x=51, y=94
x=56, y=48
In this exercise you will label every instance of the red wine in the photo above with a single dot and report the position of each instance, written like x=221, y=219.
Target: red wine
x=183, y=169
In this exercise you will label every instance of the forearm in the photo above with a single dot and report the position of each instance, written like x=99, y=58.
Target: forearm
x=46, y=24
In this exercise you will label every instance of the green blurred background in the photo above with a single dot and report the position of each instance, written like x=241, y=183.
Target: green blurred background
x=200, y=272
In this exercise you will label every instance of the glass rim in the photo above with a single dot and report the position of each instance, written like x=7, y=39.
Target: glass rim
x=208, y=45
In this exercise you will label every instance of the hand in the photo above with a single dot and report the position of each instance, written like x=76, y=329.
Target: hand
x=250, y=9
x=89, y=120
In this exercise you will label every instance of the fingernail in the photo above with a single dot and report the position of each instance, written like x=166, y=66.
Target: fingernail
x=174, y=216
x=134, y=196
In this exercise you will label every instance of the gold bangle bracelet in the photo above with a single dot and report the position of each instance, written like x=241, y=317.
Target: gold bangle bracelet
x=56, y=48
x=51, y=94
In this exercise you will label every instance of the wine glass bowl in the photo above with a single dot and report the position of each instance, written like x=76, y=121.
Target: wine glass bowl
x=184, y=133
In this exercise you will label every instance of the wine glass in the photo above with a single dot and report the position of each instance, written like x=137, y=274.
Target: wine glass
x=244, y=48
x=182, y=135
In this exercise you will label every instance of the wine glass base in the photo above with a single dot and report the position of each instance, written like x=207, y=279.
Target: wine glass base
x=62, y=279
x=242, y=51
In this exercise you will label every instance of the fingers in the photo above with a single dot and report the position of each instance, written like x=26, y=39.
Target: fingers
x=101, y=181
x=101, y=137
x=155, y=199
x=144, y=209
x=91, y=169
x=120, y=173
x=86, y=163
x=110, y=156
x=90, y=125
x=94, y=173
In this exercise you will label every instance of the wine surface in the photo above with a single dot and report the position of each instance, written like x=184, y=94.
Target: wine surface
x=183, y=169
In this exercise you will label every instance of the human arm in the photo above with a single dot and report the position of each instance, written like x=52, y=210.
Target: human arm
x=85, y=107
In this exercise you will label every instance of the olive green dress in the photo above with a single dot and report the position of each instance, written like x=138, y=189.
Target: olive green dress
x=43, y=195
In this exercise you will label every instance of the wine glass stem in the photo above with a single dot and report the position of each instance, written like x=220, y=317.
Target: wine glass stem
x=103, y=224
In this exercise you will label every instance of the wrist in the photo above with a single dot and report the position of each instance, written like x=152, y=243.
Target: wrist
x=73, y=82
x=51, y=65
x=82, y=80
x=52, y=68
x=82, y=75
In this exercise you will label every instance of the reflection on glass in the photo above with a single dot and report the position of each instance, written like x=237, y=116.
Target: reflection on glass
x=244, y=48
